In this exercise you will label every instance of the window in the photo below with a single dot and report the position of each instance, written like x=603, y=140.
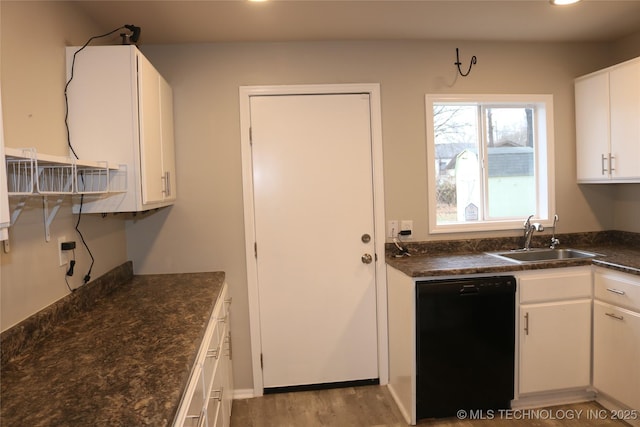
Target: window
x=490, y=161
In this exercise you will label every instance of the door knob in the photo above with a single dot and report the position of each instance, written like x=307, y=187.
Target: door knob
x=367, y=259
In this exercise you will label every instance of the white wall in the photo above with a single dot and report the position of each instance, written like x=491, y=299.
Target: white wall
x=626, y=48
x=204, y=230
x=33, y=38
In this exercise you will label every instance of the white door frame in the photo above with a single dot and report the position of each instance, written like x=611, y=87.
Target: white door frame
x=373, y=89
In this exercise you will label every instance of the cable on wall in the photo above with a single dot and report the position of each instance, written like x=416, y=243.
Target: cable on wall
x=474, y=61
x=133, y=37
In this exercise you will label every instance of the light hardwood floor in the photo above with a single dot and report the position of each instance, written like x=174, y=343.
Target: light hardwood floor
x=370, y=406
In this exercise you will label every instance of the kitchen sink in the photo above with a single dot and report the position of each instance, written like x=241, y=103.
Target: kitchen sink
x=544, y=255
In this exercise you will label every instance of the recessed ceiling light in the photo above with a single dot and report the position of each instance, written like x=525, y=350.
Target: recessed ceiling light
x=563, y=2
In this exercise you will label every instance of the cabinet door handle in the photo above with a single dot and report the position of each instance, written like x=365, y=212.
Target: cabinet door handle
x=616, y=291
x=611, y=158
x=217, y=394
x=227, y=341
x=615, y=316
x=167, y=183
x=604, y=169
x=214, y=352
x=526, y=323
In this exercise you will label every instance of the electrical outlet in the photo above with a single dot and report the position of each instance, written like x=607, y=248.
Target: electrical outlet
x=392, y=228
x=407, y=225
x=62, y=255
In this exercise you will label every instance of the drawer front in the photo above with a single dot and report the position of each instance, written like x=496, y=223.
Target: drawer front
x=555, y=285
x=214, y=353
x=198, y=408
x=618, y=289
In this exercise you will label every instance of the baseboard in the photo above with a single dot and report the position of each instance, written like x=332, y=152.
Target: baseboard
x=321, y=386
x=616, y=410
x=566, y=397
x=243, y=393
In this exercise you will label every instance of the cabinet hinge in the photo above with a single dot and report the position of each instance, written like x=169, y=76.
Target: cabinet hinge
x=255, y=249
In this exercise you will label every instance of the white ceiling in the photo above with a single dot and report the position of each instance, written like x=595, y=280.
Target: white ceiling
x=182, y=21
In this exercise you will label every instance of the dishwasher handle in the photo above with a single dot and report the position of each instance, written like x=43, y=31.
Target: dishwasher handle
x=469, y=290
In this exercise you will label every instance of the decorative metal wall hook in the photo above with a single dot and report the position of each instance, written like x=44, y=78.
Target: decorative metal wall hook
x=474, y=60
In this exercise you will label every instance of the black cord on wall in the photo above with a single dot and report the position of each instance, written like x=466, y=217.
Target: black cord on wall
x=134, y=37
x=66, y=86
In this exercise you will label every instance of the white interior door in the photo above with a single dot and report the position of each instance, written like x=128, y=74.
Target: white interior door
x=313, y=203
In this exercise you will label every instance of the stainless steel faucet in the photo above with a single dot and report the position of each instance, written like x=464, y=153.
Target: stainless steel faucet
x=529, y=228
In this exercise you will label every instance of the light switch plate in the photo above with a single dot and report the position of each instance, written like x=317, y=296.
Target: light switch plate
x=392, y=228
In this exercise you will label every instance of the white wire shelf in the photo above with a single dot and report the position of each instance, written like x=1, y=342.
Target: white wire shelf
x=29, y=172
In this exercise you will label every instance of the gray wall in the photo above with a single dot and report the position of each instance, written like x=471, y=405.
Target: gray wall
x=205, y=230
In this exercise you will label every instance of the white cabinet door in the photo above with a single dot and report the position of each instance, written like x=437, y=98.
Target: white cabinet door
x=555, y=343
x=608, y=124
x=616, y=353
x=168, y=142
x=156, y=134
x=624, y=91
x=150, y=131
x=592, y=126
x=214, y=405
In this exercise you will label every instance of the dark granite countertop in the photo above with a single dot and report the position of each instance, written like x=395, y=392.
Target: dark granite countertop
x=125, y=361
x=620, y=251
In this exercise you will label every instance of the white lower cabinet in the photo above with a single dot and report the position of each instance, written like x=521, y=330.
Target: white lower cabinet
x=207, y=399
x=578, y=339
x=554, y=330
x=616, y=337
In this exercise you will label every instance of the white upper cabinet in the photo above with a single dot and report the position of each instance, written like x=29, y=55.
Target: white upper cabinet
x=121, y=110
x=608, y=124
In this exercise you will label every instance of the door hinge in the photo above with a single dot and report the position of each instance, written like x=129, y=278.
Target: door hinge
x=250, y=136
x=255, y=249
x=261, y=364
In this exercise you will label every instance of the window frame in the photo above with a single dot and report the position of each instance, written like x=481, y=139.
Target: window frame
x=544, y=161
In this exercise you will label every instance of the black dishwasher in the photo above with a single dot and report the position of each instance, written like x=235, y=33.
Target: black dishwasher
x=465, y=345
